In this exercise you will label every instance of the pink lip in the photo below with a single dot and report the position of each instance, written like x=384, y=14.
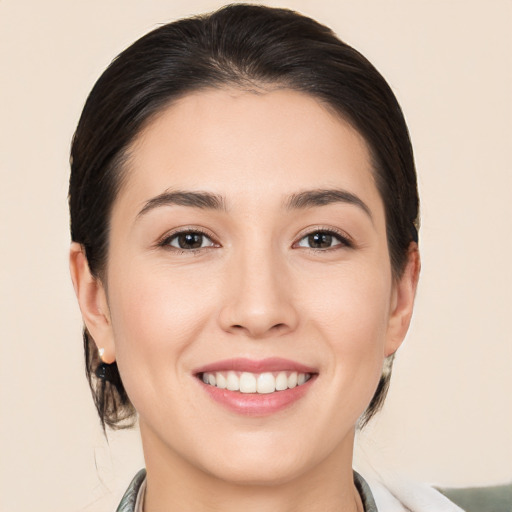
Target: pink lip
x=273, y=364
x=256, y=404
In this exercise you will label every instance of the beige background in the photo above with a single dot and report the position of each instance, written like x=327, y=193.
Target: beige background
x=448, y=418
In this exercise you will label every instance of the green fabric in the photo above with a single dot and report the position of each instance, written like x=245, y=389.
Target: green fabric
x=482, y=499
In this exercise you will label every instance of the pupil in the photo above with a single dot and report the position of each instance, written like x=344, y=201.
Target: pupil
x=190, y=240
x=320, y=240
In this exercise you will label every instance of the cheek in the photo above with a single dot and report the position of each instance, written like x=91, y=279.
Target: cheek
x=352, y=315
x=352, y=307
x=156, y=315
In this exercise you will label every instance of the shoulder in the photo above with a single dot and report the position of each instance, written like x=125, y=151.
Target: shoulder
x=395, y=495
x=497, y=498
x=398, y=494
x=401, y=495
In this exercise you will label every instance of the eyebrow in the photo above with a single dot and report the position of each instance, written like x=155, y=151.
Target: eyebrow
x=203, y=200
x=322, y=197
x=298, y=201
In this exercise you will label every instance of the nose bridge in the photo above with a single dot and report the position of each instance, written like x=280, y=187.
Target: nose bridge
x=259, y=302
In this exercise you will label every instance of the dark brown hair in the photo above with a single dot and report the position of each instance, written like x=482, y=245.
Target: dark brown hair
x=245, y=46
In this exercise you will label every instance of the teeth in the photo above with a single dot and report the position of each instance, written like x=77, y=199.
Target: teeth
x=266, y=383
x=281, y=381
x=247, y=383
x=262, y=383
x=233, y=382
x=222, y=383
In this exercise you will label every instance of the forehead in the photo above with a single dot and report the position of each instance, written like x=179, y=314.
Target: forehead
x=247, y=146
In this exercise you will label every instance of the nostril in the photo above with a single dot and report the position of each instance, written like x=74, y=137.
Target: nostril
x=275, y=328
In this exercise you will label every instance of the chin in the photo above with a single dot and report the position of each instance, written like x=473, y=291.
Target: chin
x=257, y=472
x=264, y=459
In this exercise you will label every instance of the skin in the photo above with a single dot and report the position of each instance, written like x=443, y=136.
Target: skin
x=256, y=289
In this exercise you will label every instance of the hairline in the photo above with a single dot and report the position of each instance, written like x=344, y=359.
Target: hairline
x=120, y=165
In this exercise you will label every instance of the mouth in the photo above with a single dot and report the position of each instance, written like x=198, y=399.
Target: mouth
x=261, y=383
x=256, y=388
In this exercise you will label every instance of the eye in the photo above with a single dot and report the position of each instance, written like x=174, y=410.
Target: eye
x=323, y=239
x=188, y=240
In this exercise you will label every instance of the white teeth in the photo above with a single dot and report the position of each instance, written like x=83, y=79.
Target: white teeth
x=222, y=383
x=247, y=383
x=262, y=383
x=281, y=381
x=266, y=383
x=233, y=382
x=292, y=380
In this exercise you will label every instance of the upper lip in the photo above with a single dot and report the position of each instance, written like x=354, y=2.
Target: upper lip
x=272, y=364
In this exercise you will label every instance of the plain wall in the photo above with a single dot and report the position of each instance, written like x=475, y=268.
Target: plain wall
x=448, y=417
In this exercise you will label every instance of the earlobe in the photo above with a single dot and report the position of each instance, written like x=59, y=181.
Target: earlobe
x=403, y=301
x=92, y=300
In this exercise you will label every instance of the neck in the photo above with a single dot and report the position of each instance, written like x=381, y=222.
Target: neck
x=174, y=483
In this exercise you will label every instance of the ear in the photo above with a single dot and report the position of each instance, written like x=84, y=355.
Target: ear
x=92, y=300
x=402, y=301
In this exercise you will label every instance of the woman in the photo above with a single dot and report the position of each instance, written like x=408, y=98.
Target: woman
x=244, y=217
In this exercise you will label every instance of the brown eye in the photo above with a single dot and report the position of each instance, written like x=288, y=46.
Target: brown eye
x=189, y=240
x=321, y=240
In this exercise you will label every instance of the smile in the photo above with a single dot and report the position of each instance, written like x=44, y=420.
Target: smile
x=256, y=387
x=262, y=383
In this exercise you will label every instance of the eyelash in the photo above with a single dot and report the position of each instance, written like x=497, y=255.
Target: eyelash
x=166, y=241
x=343, y=239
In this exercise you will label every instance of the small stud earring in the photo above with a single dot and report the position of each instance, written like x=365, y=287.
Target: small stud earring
x=105, y=371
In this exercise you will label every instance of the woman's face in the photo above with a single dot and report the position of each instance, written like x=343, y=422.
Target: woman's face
x=248, y=249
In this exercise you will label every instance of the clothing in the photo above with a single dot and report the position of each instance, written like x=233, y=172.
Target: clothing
x=133, y=499
x=495, y=498
x=395, y=495
x=425, y=500
x=134, y=494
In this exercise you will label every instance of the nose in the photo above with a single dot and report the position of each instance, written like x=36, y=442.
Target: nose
x=258, y=298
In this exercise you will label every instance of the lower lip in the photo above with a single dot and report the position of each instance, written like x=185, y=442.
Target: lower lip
x=257, y=404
